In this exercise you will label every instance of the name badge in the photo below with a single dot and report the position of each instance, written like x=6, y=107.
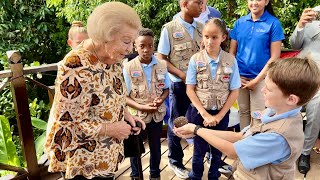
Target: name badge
x=160, y=76
x=227, y=70
x=136, y=74
x=178, y=35
x=201, y=64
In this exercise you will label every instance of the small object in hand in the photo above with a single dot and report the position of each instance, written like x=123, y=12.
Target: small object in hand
x=180, y=121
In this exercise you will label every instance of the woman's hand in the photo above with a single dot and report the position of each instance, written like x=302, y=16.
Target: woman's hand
x=119, y=130
x=185, y=131
x=132, y=120
x=137, y=130
x=251, y=85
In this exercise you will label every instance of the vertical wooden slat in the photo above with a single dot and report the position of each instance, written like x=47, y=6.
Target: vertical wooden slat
x=20, y=99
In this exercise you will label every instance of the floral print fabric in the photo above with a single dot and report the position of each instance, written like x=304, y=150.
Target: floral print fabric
x=88, y=93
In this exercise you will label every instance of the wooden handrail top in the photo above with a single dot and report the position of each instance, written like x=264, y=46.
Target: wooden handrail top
x=12, y=168
x=31, y=70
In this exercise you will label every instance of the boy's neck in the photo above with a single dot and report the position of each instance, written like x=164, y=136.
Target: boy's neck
x=186, y=18
x=284, y=109
x=143, y=61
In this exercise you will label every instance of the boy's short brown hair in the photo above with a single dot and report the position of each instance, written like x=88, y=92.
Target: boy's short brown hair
x=297, y=76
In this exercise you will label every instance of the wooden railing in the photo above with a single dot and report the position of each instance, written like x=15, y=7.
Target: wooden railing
x=16, y=76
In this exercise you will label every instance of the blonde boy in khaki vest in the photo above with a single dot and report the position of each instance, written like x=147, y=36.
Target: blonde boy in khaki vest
x=269, y=147
x=147, y=82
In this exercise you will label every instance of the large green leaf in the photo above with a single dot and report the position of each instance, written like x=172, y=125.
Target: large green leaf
x=38, y=123
x=8, y=154
x=40, y=144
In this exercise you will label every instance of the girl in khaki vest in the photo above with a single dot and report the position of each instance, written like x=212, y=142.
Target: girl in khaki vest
x=213, y=83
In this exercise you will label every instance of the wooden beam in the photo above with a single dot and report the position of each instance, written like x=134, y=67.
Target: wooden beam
x=21, y=105
x=31, y=70
x=12, y=168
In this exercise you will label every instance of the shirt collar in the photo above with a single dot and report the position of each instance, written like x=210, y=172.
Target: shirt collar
x=153, y=62
x=212, y=60
x=264, y=16
x=186, y=24
x=269, y=115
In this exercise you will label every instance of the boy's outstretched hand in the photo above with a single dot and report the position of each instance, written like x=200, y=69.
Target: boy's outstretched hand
x=185, y=131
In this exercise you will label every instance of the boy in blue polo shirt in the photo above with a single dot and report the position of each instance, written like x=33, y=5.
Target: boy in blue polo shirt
x=179, y=40
x=147, y=83
x=269, y=147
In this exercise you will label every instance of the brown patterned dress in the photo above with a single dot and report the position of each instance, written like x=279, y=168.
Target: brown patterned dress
x=88, y=93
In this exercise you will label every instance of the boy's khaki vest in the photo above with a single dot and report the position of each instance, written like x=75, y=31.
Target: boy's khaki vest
x=182, y=45
x=213, y=93
x=139, y=88
x=291, y=130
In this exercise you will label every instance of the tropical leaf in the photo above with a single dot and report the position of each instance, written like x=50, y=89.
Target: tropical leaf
x=39, y=143
x=38, y=123
x=8, y=154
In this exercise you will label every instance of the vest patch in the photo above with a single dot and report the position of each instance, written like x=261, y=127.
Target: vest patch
x=225, y=78
x=160, y=76
x=136, y=73
x=227, y=70
x=201, y=64
x=256, y=115
x=178, y=35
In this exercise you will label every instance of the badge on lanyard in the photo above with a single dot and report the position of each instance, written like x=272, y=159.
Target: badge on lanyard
x=136, y=74
x=178, y=35
x=227, y=70
x=225, y=78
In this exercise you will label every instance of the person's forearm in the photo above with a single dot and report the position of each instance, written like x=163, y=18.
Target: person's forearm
x=165, y=94
x=221, y=140
x=195, y=100
x=130, y=102
x=296, y=39
x=171, y=69
x=275, y=51
x=175, y=71
x=230, y=100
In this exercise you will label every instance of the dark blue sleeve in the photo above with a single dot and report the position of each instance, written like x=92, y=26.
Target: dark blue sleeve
x=214, y=13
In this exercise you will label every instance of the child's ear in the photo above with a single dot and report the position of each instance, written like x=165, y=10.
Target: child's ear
x=224, y=37
x=69, y=42
x=293, y=100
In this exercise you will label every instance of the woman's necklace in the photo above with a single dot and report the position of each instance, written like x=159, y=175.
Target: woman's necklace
x=95, y=52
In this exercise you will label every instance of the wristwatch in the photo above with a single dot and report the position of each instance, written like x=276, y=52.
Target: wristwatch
x=196, y=129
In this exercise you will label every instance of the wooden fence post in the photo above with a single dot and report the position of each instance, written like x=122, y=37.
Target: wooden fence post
x=20, y=99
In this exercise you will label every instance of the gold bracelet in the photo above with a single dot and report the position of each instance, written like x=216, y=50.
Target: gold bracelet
x=105, y=129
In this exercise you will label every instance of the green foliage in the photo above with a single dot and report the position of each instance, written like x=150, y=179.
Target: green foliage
x=33, y=29
x=8, y=153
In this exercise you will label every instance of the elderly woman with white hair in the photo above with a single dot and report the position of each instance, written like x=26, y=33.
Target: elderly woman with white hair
x=86, y=126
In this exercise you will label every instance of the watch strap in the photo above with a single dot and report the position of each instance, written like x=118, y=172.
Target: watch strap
x=196, y=129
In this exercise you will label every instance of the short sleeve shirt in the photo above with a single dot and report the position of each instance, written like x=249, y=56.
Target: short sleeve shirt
x=254, y=39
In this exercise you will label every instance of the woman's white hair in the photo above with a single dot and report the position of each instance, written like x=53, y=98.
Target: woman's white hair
x=107, y=19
